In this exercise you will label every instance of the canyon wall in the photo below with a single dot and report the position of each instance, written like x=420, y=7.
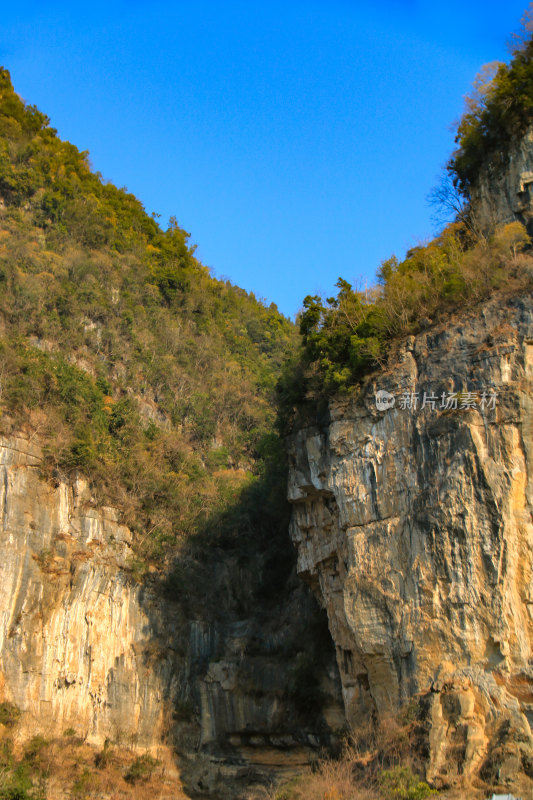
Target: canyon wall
x=195, y=672
x=413, y=525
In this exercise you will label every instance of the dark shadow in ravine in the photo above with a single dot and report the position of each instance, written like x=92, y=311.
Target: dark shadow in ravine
x=249, y=664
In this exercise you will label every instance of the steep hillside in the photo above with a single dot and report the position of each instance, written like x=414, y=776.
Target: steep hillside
x=129, y=359
x=486, y=188
x=148, y=602
x=150, y=609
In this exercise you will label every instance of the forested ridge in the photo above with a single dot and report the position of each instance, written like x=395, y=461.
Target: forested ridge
x=161, y=383
x=119, y=349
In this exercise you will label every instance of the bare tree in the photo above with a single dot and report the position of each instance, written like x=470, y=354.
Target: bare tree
x=449, y=204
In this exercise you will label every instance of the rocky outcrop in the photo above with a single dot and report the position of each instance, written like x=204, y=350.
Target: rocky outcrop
x=503, y=191
x=413, y=525
x=84, y=645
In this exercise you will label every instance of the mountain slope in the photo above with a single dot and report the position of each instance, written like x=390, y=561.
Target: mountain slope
x=147, y=585
x=118, y=347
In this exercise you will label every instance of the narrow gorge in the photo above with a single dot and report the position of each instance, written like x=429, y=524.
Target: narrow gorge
x=169, y=625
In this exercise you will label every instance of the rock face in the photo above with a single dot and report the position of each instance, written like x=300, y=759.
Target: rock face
x=84, y=645
x=74, y=627
x=414, y=527
x=503, y=191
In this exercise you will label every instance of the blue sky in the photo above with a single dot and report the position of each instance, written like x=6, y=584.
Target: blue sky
x=297, y=141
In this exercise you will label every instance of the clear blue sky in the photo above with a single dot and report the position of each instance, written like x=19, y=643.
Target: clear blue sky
x=297, y=141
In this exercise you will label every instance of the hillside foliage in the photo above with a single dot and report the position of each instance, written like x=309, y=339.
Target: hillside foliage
x=344, y=337
x=119, y=349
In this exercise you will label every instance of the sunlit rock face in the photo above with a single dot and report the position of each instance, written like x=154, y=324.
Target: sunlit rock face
x=414, y=527
x=75, y=630
x=503, y=191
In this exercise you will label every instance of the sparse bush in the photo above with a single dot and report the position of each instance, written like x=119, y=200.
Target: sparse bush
x=349, y=334
x=141, y=769
x=400, y=783
x=20, y=783
x=9, y=714
x=499, y=109
x=393, y=740
x=34, y=749
x=104, y=756
x=331, y=780
x=84, y=785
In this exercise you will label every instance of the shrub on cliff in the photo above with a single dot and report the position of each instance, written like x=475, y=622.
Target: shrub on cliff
x=400, y=783
x=9, y=714
x=141, y=769
x=499, y=109
x=347, y=335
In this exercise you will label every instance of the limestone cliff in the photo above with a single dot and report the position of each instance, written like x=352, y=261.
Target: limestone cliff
x=78, y=663
x=503, y=190
x=85, y=646
x=414, y=527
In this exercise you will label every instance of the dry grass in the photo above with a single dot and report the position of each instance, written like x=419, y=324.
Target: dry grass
x=352, y=776
x=367, y=751
x=332, y=780
x=68, y=767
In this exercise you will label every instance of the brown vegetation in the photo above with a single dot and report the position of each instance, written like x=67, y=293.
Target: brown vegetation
x=69, y=767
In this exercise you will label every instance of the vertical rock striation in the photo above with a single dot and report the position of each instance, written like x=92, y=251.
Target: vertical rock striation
x=414, y=527
x=75, y=631
x=503, y=190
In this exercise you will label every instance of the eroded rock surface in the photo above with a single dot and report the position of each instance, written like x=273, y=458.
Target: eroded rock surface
x=503, y=191
x=84, y=645
x=414, y=527
x=74, y=627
